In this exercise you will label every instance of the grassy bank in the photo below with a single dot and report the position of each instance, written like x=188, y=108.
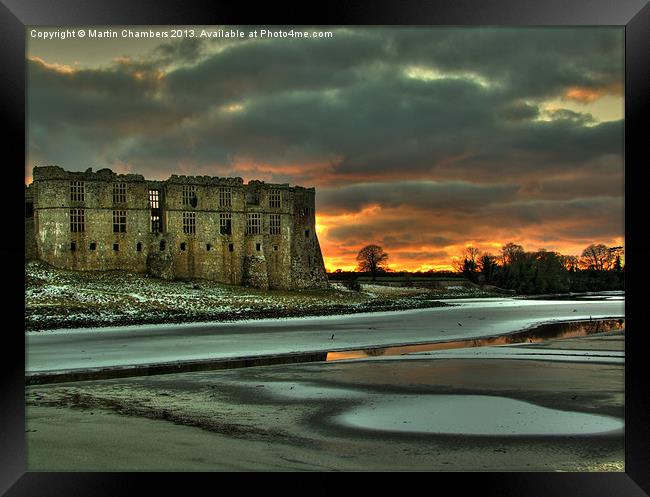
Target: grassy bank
x=56, y=298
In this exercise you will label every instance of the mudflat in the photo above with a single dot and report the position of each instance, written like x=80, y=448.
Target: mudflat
x=297, y=417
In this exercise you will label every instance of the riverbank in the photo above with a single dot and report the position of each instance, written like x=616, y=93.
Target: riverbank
x=106, y=347
x=56, y=298
x=359, y=415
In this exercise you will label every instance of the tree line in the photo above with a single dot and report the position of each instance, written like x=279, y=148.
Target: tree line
x=598, y=268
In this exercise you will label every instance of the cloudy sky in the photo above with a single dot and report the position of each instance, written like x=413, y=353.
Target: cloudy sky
x=421, y=140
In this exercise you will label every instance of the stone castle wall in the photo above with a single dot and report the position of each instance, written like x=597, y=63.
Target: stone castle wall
x=31, y=250
x=288, y=259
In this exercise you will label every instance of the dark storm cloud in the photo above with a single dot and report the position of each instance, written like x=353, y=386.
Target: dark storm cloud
x=522, y=62
x=402, y=235
x=447, y=126
x=431, y=196
x=347, y=100
x=253, y=68
x=529, y=62
x=385, y=122
x=108, y=101
x=607, y=210
x=600, y=181
x=186, y=50
x=519, y=111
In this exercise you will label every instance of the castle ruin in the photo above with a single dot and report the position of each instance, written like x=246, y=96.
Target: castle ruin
x=256, y=234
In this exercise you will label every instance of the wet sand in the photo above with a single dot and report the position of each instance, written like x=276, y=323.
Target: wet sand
x=287, y=418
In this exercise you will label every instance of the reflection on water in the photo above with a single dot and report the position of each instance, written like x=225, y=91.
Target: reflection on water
x=533, y=335
x=473, y=415
x=613, y=295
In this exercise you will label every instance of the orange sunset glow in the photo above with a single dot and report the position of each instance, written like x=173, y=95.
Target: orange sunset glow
x=584, y=95
x=420, y=140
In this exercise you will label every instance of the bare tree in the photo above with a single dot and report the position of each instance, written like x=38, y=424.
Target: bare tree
x=616, y=256
x=598, y=256
x=570, y=262
x=468, y=264
x=510, y=252
x=372, y=259
x=471, y=254
x=487, y=266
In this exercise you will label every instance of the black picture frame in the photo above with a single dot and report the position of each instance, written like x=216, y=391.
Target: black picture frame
x=634, y=15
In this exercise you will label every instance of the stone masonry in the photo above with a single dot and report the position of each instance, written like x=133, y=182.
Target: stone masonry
x=256, y=234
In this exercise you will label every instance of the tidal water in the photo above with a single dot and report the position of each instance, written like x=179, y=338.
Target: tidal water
x=532, y=335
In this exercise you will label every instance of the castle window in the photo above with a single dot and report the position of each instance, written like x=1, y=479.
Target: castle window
x=189, y=195
x=119, y=221
x=77, y=191
x=154, y=199
x=254, y=224
x=258, y=246
x=253, y=197
x=162, y=245
x=73, y=246
x=189, y=223
x=154, y=205
x=77, y=218
x=138, y=247
x=274, y=199
x=29, y=209
x=307, y=233
x=225, y=223
x=93, y=246
x=231, y=247
x=183, y=246
x=274, y=224
x=119, y=193
x=275, y=248
x=156, y=225
x=225, y=196
x=208, y=247
x=116, y=247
